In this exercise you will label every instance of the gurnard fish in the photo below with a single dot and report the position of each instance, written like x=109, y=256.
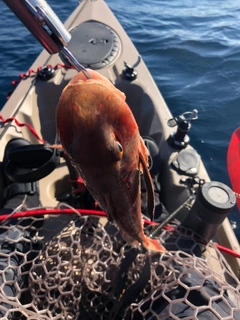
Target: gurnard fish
x=100, y=136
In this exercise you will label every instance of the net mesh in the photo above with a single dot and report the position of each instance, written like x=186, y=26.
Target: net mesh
x=79, y=267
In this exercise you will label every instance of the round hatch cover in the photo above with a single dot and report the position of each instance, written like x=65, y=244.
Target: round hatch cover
x=217, y=197
x=93, y=44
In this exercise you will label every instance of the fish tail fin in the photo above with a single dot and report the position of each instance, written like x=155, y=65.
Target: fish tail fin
x=153, y=245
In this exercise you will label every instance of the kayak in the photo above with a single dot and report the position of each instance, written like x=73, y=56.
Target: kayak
x=63, y=259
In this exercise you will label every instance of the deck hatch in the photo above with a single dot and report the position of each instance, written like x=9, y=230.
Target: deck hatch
x=94, y=44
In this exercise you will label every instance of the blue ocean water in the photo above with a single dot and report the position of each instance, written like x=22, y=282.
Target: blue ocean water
x=192, y=49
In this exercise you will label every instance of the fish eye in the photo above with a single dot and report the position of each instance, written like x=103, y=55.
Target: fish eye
x=120, y=148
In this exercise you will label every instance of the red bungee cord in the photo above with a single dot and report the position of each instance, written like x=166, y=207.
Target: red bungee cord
x=22, y=125
x=53, y=211
x=24, y=76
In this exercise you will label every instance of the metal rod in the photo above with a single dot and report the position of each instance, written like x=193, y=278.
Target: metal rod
x=170, y=217
x=74, y=62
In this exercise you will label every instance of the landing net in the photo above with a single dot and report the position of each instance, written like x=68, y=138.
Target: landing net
x=78, y=267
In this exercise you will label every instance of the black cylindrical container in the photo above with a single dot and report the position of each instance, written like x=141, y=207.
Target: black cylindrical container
x=213, y=204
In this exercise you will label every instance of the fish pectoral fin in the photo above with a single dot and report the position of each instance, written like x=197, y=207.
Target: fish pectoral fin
x=131, y=182
x=149, y=186
x=153, y=245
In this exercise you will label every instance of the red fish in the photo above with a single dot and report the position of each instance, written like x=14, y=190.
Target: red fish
x=100, y=135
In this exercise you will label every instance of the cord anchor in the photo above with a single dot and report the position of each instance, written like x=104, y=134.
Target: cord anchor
x=180, y=138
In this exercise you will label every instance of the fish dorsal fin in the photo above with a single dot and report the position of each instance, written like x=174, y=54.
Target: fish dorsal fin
x=149, y=185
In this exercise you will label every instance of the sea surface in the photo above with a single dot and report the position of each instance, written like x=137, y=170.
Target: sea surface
x=192, y=49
